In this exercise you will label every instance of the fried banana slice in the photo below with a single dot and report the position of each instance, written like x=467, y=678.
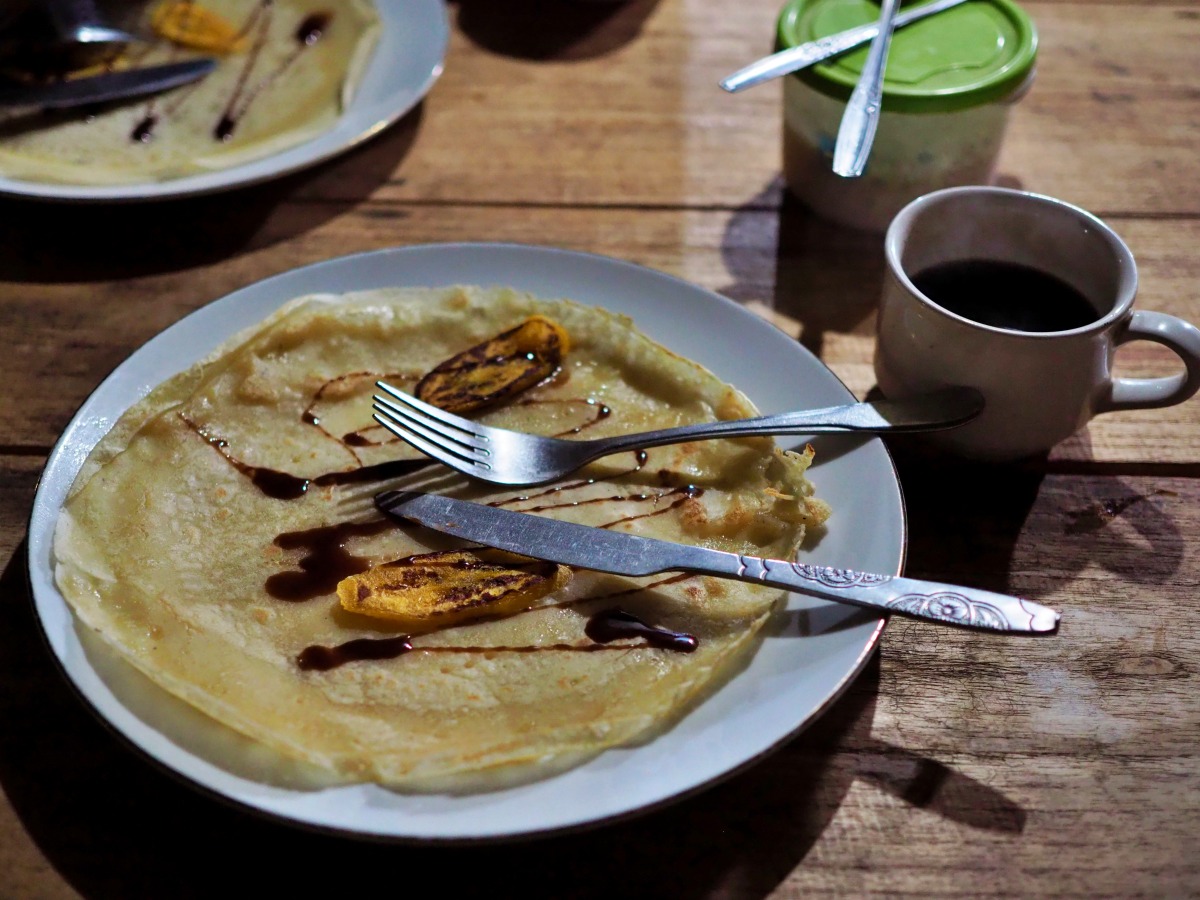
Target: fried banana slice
x=190, y=25
x=497, y=369
x=437, y=590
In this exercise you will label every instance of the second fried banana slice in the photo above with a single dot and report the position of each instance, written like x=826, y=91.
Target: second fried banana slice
x=437, y=590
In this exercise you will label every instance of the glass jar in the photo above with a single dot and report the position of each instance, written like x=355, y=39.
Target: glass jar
x=950, y=81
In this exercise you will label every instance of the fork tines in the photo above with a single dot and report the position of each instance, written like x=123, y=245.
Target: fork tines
x=433, y=431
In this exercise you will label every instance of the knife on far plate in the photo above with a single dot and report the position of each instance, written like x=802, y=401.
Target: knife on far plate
x=604, y=550
x=103, y=88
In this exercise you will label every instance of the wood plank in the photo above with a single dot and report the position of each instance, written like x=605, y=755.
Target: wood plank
x=26, y=870
x=956, y=764
x=66, y=324
x=1113, y=554
x=18, y=480
x=1055, y=767
x=1109, y=124
x=619, y=105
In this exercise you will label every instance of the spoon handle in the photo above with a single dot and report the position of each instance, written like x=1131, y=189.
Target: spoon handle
x=857, y=131
x=808, y=54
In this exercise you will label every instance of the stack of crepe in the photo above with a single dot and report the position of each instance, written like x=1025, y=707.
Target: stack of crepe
x=206, y=533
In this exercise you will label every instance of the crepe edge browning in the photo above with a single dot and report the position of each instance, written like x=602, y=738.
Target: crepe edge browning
x=503, y=764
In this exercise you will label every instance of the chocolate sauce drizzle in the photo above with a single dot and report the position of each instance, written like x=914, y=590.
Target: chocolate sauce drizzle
x=602, y=628
x=671, y=579
x=245, y=93
x=307, y=35
x=321, y=658
x=284, y=486
x=271, y=482
x=682, y=494
x=616, y=624
x=357, y=438
x=312, y=28
x=260, y=23
x=325, y=562
x=640, y=457
x=599, y=411
x=144, y=130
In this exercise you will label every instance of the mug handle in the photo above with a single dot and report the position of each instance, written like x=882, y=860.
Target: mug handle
x=1149, y=393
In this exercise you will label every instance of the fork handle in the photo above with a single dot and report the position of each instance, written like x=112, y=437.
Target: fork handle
x=943, y=409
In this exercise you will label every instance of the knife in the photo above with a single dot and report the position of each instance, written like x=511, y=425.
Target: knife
x=24, y=99
x=628, y=554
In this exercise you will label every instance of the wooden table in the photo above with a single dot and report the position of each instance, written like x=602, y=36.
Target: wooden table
x=956, y=764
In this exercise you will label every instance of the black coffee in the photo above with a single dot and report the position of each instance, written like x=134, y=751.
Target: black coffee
x=1005, y=295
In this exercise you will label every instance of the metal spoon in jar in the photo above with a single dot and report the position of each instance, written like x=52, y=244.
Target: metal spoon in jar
x=793, y=59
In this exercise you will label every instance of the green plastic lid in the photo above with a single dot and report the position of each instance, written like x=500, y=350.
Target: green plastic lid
x=972, y=54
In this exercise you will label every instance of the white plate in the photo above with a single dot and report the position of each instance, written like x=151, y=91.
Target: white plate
x=792, y=678
x=406, y=62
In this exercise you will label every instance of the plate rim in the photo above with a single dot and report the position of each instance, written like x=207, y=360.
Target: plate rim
x=205, y=183
x=55, y=459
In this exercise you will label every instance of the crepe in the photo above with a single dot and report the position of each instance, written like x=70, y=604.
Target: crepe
x=206, y=534
x=292, y=71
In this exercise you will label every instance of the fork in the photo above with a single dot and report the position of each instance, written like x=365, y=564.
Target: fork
x=509, y=457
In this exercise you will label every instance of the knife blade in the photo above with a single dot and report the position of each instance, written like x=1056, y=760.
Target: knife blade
x=627, y=554
x=102, y=88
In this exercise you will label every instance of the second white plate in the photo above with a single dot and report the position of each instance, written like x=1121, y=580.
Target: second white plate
x=406, y=62
x=792, y=678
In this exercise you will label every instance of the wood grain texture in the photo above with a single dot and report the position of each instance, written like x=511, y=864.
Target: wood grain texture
x=956, y=764
x=71, y=322
x=629, y=113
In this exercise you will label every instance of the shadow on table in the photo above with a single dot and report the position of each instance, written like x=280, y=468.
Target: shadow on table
x=113, y=825
x=43, y=241
x=966, y=519
x=553, y=29
x=935, y=787
x=826, y=277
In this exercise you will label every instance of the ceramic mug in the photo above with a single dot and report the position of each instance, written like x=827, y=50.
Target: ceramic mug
x=1039, y=386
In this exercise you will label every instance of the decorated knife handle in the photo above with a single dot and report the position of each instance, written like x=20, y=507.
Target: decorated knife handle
x=948, y=603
